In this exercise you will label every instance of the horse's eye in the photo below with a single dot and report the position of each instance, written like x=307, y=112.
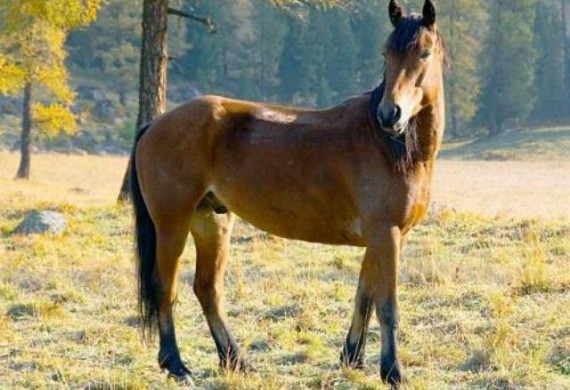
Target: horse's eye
x=425, y=54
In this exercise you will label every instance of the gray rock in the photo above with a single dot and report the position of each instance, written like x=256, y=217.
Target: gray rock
x=42, y=222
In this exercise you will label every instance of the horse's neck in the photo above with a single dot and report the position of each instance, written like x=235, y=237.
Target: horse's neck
x=431, y=124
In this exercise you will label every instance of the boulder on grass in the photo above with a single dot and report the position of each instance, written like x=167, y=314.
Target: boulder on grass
x=42, y=222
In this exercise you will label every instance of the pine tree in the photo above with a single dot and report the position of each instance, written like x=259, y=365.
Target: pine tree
x=319, y=61
x=371, y=27
x=270, y=26
x=203, y=63
x=32, y=36
x=109, y=48
x=509, y=59
x=461, y=23
x=297, y=71
x=565, y=10
x=549, y=88
x=341, y=54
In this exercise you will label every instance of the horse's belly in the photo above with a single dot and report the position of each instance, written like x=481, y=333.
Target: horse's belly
x=306, y=229
x=298, y=219
x=294, y=182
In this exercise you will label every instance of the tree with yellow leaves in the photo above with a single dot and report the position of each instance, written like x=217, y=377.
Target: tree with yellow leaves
x=32, y=55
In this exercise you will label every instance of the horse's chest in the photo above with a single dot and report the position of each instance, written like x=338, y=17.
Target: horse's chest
x=413, y=207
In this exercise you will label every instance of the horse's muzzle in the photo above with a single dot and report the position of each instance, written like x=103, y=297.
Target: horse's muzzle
x=389, y=117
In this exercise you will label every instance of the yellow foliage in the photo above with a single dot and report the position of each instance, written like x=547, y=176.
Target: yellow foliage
x=53, y=119
x=35, y=48
x=11, y=77
x=62, y=14
x=32, y=38
x=51, y=79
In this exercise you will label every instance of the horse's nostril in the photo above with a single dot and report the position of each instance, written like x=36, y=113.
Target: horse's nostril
x=396, y=115
x=390, y=117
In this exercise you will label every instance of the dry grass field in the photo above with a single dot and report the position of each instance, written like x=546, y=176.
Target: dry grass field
x=485, y=288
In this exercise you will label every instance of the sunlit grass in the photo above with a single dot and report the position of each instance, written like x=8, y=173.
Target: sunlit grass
x=59, y=179
x=474, y=312
x=484, y=300
x=548, y=143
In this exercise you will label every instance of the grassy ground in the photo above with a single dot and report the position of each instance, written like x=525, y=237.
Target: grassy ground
x=550, y=143
x=519, y=189
x=484, y=298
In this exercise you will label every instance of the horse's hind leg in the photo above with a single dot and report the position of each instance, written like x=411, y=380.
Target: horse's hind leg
x=170, y=242
x=211, y=234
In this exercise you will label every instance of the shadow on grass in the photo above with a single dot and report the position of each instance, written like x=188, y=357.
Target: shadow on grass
x=20, y=311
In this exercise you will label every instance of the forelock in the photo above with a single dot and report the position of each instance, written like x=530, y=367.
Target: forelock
x=406, y=35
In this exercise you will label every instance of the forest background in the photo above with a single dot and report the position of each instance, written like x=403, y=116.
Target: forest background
x=509, y=64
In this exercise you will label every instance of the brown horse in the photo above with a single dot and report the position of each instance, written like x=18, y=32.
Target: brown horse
x=356, y=174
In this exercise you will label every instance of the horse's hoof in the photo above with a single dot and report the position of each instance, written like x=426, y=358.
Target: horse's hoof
x=240, y=364
x=392, y=374
x=185, y=380
x=181, y=375
x=245, y=366
x=350, y=361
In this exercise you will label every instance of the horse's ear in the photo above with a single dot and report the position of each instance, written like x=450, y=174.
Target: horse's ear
x=396, y=12
x=429, y=14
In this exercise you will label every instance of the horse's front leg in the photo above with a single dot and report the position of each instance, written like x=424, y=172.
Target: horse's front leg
x=378, y=284
x=353, y=352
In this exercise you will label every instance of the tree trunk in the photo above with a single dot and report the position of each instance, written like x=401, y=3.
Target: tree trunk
x=153, y=71
x=24, y=169
x=154, y=61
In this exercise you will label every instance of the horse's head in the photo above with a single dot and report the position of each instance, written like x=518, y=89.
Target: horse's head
x=414, y=55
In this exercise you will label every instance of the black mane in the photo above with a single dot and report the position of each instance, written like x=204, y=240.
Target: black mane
x=403, y=151
x=406, y=34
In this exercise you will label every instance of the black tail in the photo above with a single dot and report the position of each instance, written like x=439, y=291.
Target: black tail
x=145, y=238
